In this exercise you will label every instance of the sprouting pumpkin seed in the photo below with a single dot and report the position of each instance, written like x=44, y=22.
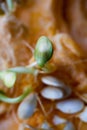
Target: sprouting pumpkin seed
x=43, y=51
x=8, y=78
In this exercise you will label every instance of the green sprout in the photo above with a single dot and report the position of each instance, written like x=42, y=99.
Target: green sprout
x=7, y=6
x=43, y=51
x=23, y=70
x=8, y=78
x=18, y=99
x=10, y=5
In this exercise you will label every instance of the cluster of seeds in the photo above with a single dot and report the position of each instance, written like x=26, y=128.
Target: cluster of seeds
x=54, y=90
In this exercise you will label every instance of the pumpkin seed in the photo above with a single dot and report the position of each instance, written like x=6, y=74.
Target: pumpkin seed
x=50, y=80
x=52, y=93
x=70, y=106
x=27, y=107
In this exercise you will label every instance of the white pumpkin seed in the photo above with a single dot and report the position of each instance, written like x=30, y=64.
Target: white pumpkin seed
x=69, y=126
x=49, y=80
x=52, y=81
x=70, y=106
x=52, y=93
x=83, y=115
x=58, y=120
x=27, y=107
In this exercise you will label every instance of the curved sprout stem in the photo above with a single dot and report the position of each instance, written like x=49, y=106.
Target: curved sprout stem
x=24, y=70
x=10, y=5
x=18, y=99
